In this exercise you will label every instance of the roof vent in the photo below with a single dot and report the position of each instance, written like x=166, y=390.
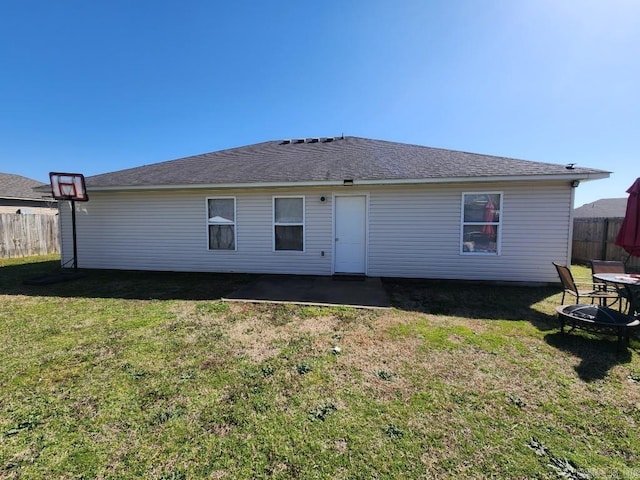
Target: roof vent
x=313, y=140
x=570, y=166
x=299, y=140
x=285, y=142
x=328, y=139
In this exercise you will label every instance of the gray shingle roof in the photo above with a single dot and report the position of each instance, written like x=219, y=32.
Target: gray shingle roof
x=603, y=208
x=356, y=158
x=17, y=186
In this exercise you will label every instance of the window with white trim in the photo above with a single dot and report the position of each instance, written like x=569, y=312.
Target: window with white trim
x=481, y=223
x=288, y=223
x=221, y=223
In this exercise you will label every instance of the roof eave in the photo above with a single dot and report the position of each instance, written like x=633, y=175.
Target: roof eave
x=30, y=199
x=584, y=176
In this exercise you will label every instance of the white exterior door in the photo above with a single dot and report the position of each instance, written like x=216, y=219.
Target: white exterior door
x=350, y=234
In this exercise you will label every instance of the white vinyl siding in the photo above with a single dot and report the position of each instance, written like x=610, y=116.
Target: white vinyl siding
x=163, y=230
x=413, y=231
x=423, y=227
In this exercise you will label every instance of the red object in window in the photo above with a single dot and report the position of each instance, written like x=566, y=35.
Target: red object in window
x=489, y=214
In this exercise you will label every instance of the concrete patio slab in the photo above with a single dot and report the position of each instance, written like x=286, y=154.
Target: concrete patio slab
x=359, y=292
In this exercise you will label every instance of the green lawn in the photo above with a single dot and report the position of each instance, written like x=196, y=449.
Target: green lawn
x=149, y=375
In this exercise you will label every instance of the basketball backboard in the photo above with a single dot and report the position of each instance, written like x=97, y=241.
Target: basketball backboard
x=68, y=186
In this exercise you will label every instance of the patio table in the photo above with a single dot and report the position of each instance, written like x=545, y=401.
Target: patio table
x=630, y=283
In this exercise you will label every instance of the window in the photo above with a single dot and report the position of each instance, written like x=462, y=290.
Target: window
x=481, y=223
x=288, y=223
x=221, y=223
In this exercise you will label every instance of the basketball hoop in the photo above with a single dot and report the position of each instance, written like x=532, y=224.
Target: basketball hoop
x=70, y=186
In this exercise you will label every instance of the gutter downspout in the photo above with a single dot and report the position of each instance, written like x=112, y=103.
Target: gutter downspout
x=570, y=232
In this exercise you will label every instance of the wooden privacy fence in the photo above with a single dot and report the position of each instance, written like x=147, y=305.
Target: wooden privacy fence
x=25, y=235
x=594, y=239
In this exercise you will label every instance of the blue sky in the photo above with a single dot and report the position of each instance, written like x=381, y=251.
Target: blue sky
x=97, y=86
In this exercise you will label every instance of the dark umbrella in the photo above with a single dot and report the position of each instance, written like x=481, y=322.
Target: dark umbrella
x=629, y=235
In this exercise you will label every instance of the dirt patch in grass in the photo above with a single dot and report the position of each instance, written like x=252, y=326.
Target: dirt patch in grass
x=257, y=343
x=263, y=335
x=377, y=359
x=320, y=326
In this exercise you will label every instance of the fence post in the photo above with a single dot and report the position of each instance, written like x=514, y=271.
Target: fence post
x=605, y=238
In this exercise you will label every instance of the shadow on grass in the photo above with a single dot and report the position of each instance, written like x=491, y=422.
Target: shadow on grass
x=455, y=298
x=120, y=283
x=472, y=300
x=597, y=355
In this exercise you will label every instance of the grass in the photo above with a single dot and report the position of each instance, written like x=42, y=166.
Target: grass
x=149, y=375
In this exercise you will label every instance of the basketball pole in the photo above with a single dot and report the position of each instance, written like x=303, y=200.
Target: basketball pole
x=70, y=186
x=75, y=243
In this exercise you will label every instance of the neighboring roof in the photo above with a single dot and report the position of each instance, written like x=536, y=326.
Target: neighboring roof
x=603, y=208
x=19, y=187
x=331, y=161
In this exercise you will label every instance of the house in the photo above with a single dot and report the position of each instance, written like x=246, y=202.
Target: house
x=17, y=195
x=603, y=208
x=323, y=206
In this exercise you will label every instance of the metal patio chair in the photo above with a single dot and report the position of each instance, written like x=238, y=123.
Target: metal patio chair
x=584, y=290
x=610, y=266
